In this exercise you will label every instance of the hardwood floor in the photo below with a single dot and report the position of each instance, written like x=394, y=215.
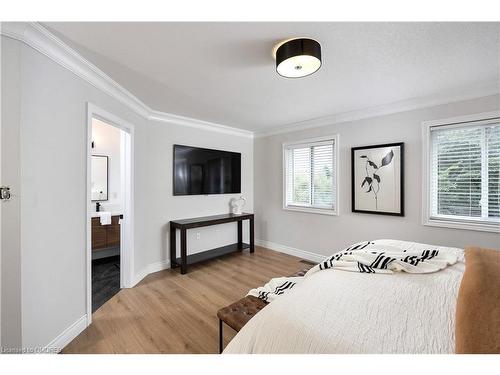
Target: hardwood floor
x=172, y=313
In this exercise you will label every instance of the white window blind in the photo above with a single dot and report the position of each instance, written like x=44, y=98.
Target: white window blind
x=310, y=177
x=465, y=168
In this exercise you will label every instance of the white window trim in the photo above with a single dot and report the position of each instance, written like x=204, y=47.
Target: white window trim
x=452, y=222
x=315, y=210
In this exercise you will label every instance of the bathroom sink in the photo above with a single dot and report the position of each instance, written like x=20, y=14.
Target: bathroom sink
x=99, y=214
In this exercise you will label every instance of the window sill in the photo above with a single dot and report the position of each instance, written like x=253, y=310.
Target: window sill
x=312, y=210
x=460, y=224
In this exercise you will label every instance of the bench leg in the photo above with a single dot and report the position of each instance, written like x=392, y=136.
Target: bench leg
x=221, y=337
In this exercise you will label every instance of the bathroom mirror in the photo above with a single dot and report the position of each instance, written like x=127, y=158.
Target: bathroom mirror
x=99, y=178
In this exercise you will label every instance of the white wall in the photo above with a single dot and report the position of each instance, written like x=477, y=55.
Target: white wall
x=52, y=144
x=321, y=234
x=107, y=139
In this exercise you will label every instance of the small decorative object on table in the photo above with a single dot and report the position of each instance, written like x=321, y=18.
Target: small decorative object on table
x=237, y=205
x=378, y=179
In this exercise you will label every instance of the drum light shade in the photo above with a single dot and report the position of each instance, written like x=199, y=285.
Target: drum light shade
x=298, y=58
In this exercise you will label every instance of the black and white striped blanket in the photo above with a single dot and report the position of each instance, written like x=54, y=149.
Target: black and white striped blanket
x=365, y=257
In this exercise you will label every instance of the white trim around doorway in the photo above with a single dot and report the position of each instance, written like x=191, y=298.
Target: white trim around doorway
x=127, y=180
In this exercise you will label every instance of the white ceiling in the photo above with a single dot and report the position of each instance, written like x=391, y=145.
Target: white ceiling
x=224, y=72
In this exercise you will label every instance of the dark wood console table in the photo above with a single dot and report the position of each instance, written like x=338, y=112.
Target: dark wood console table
x=205, y=221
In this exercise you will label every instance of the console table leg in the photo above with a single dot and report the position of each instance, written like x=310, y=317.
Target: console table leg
x=240, y=235
x=183, y=251
x=173, y=247
x=252, y=244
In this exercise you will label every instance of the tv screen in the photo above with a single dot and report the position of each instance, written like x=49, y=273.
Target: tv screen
x=205, y=171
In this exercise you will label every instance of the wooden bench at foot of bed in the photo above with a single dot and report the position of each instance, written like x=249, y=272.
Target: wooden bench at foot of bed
x=237, y=314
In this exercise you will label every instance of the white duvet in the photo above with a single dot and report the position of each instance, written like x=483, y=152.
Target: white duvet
x=336, y=311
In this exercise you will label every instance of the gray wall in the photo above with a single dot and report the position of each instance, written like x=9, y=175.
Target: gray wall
x=323, y=234
x=43, y=230
x=155, y=205
x=52, y=142
x=11, y=210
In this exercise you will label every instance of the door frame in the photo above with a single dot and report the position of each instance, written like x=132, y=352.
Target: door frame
x=127, y=182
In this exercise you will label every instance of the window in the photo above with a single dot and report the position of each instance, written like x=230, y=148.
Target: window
x=464, y=174
x=310, y=176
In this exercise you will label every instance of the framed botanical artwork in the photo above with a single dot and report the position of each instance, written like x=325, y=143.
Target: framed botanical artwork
x=377, y=179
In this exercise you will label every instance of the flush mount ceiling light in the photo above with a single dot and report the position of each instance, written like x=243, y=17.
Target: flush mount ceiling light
x=298, y=57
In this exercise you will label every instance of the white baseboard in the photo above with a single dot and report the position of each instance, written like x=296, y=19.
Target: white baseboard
x=77, y=327
x=150, y=268
x=56, y=345
x=313, y=257
x=164, y=264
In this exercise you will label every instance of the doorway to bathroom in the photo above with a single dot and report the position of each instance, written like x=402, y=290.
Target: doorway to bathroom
x=109, y=207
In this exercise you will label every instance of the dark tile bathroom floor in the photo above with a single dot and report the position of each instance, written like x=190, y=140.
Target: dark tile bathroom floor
x=105, y=280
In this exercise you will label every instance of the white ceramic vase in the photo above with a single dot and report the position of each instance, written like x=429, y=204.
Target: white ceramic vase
x=237, y=205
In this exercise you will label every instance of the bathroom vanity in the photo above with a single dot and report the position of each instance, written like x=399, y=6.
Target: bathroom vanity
x=105, y=236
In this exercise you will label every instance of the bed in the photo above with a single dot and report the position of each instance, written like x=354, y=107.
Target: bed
x=340, y=312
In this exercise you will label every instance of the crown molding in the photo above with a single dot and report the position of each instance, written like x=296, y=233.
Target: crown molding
x=42, y=40
x=199, y=124
x=36, y=36
x=464, y=93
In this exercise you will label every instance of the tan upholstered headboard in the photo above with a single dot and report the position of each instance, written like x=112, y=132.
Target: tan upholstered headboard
x=477, y=326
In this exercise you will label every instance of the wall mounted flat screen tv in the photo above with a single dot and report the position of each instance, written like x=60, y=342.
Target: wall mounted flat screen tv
x=202, y=171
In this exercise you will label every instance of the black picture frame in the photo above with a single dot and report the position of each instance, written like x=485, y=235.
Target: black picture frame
x=401, y=168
